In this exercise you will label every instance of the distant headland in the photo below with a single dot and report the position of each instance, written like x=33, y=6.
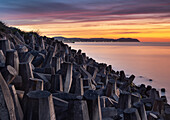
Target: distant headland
x=95, y=39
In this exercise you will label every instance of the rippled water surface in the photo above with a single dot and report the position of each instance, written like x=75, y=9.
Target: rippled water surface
x=144, y=60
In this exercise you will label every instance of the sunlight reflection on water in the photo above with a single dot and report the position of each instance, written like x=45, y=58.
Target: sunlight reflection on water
x=149, y=60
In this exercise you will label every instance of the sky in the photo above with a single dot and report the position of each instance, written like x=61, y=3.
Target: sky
x=146, y=20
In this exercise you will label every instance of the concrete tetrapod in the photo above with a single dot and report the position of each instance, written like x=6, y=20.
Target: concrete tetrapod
x=93, y=102
x=39, y=106
x=7, y=109
x=131, y=114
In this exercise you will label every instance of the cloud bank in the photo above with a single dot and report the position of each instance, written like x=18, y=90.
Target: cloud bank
x=37, y=11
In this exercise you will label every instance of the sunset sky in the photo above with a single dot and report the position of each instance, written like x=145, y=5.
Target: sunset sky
x=146, y=20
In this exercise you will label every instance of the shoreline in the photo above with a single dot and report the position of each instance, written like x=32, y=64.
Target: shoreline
x=44, y=78
x=140, y=78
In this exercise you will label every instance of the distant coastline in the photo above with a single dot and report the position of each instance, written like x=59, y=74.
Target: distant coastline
x=72, y=40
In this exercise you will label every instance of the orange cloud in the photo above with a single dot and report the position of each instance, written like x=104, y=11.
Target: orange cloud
x=142, y=19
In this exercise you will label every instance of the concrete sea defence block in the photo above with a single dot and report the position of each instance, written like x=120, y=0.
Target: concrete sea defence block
x=39, y=106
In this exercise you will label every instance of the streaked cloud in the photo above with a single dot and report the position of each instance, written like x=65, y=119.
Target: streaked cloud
x=76, y=16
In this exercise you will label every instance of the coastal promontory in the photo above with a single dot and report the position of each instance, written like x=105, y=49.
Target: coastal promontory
x=96, y=39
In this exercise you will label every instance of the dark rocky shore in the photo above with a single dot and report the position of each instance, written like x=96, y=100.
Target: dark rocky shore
x=44, y=79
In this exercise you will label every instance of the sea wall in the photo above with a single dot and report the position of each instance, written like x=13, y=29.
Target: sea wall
x=44, y=79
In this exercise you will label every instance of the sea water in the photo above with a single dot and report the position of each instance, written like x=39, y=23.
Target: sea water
x=146, y=60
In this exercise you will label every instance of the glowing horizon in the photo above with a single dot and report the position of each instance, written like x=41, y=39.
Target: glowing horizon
x=148, y=21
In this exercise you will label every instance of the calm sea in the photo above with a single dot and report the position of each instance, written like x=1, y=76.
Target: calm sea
x=146, y=60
